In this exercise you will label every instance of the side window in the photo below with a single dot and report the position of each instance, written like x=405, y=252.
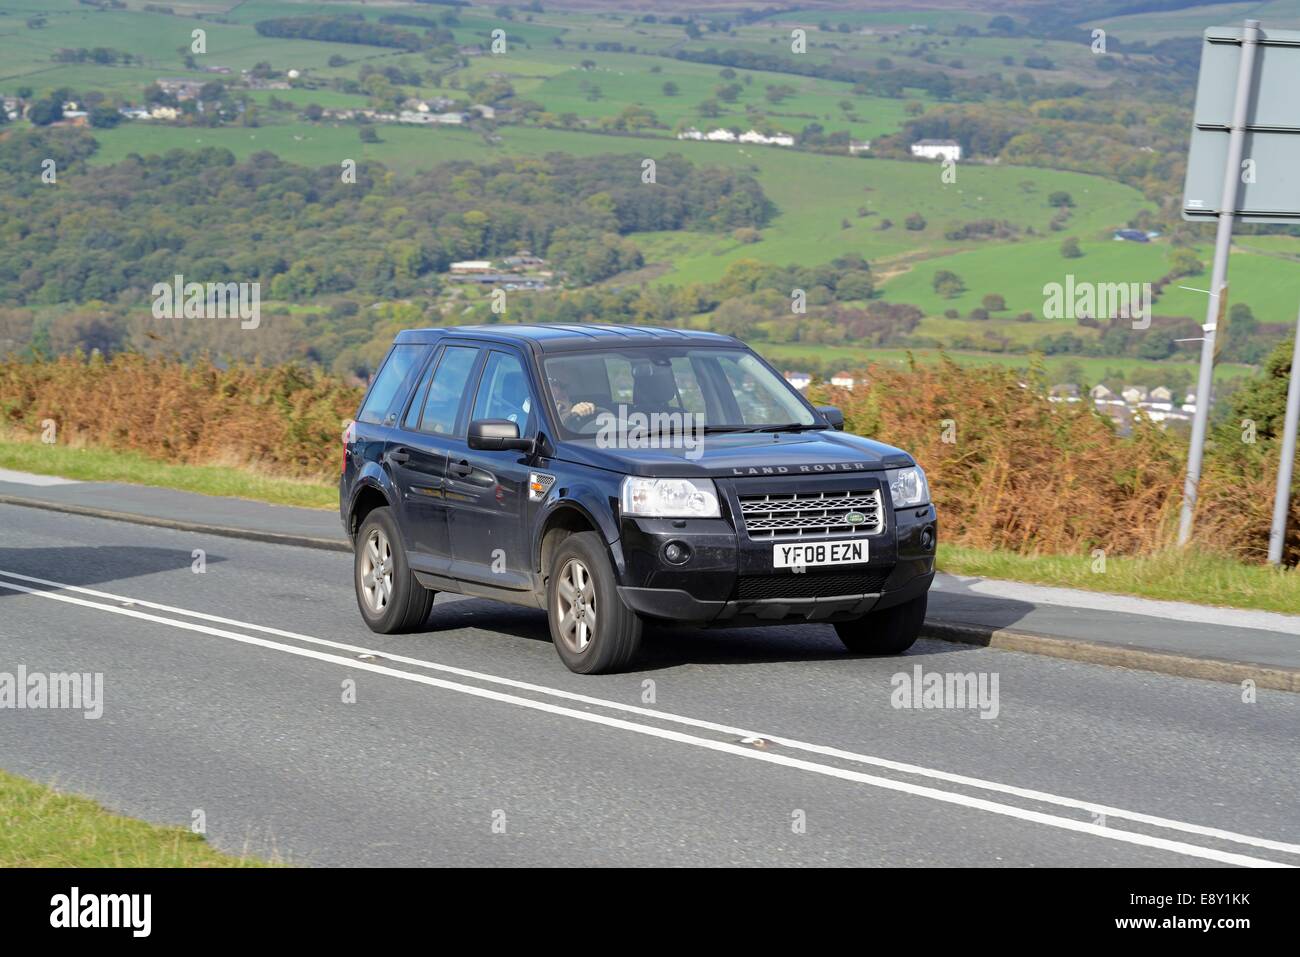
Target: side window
x=399, y=366
x=447, y=389
x=503, y=391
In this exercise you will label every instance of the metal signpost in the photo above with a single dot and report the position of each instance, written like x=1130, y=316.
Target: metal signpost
x=1282, y=498
x=1245, y=106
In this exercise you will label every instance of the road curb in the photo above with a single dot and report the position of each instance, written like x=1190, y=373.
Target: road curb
x=1120, y=656
x=253, y=534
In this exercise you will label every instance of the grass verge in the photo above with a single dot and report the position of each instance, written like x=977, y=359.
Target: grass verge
x=1190, y=576
x=39, y=827
x=105, y=465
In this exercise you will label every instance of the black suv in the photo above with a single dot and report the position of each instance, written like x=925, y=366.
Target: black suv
x=612, y=474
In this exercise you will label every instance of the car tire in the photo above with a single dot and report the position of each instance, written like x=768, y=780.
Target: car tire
x=593, y=631
x=888, y=632
x=389, y=596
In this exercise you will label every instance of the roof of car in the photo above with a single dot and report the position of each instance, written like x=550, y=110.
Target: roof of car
x=564, y=337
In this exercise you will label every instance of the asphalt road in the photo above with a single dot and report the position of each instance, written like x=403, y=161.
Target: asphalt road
x=471, y=744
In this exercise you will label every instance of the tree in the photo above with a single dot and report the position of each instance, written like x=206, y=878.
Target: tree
x=103, y=117
x=854, y=285
x=1183, y=262
x=1070, y=248
x=1263, y=399
x=1156, y=344
x=915, y=222
x=46, y=111
x=948, y=284
x=368, y=135
x=671, y=89
x=729, y=92
x=994, y=302
x=1060, y=199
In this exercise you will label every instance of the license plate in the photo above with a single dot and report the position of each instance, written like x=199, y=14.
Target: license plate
x=804, y=554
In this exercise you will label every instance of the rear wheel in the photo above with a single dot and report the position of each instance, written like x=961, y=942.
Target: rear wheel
x=593, y=631
x=389, y=596
x=888, y=632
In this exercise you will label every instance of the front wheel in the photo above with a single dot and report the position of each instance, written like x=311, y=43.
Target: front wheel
x=389, y=596
x=888, y=632
x=593, y=631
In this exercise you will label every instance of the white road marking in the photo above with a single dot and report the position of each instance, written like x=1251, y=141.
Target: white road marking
x=1128, y=837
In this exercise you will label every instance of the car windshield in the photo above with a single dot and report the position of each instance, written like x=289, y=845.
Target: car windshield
x=717, y=390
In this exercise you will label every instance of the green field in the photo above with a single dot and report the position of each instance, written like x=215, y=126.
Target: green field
x=828, y=205
x=1267, y=283
x=1192, y=21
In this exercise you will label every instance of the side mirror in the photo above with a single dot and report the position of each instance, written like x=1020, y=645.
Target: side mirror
x=833, y=415
x=495, y=435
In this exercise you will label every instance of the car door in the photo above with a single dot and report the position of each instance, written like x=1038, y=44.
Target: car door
x=487, y=491
x=418, y=454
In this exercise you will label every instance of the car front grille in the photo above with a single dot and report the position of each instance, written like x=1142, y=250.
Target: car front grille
x=753, y=587
x=798, y=516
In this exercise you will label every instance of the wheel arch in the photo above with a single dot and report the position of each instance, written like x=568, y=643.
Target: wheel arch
x=564, y=518
x=368, y=497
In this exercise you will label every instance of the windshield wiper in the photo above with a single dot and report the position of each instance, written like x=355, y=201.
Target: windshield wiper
x=787, y=427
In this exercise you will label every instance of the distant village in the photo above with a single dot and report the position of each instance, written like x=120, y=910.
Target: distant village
x=1158, y=405
x=523, y=270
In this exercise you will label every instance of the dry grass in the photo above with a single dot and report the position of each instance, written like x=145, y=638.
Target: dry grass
x=282, y=421
x=1024, y=475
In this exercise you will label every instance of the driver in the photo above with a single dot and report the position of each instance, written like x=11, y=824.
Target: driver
x=574, y=415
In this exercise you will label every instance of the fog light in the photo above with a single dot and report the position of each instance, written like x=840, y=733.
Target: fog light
x=677, y=553
x=927, y=538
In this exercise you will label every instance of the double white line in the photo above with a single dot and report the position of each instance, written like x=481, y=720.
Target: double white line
x=130, y=607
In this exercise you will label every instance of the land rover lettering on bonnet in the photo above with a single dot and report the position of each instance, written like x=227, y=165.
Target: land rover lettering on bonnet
x=614, y=475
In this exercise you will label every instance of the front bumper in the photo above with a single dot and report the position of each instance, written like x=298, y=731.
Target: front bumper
x=730, y=579
x=674, y=604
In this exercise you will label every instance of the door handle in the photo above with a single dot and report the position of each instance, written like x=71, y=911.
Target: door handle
x=399, y=456
x=461, y=469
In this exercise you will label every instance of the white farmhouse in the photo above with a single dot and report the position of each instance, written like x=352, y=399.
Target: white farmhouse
x=937, y=149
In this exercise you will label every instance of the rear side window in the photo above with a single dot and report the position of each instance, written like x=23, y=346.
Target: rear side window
x=447, y=389
x=397, y=370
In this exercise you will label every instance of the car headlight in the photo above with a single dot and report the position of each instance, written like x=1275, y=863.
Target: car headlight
x=908, y=486
x=670, y=498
